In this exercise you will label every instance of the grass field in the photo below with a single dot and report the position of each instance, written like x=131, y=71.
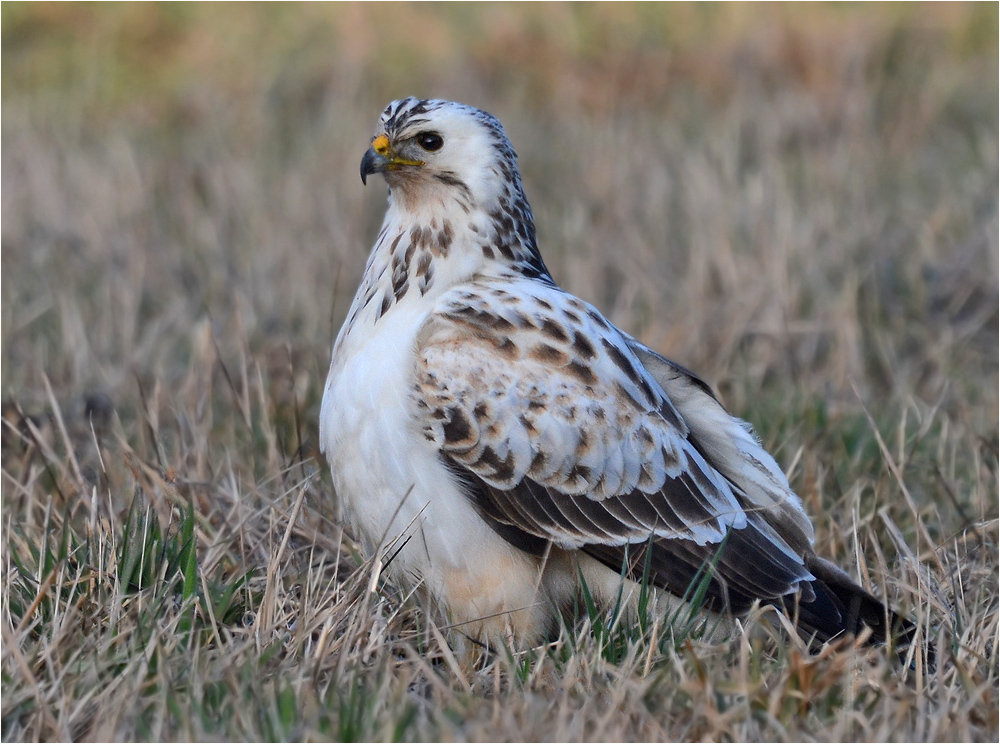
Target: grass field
x=797, y=202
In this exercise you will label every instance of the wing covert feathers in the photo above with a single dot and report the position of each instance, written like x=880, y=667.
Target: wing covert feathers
x=563, y=430
x=539, y=388
x=731, y=447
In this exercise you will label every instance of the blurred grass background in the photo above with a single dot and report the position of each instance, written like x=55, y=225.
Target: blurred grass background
x=789, y=199
x=204, y=152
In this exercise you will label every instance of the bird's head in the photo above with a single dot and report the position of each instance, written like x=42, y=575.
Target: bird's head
x=450, y=167
x=431, y=150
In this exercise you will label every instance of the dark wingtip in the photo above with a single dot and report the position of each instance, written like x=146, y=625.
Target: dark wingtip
x=841, y=606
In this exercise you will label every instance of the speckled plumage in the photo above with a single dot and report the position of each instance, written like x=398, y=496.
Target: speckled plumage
x=519, y=439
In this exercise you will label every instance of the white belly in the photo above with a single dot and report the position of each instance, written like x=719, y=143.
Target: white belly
x=365, y=430
x=393, y=485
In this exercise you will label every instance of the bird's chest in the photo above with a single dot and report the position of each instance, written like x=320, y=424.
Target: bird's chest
x=367, y=430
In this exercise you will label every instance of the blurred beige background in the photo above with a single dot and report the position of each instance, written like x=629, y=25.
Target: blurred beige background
x=769, y=178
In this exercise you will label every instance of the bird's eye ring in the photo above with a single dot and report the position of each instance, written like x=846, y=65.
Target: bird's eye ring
x=430, y=141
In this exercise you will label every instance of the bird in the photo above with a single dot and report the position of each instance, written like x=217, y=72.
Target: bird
x=502, y=445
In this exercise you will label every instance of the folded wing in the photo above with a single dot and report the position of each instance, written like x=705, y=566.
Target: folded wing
x=559, y=433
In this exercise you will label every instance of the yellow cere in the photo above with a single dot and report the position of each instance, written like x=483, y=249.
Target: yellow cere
x=381, y=145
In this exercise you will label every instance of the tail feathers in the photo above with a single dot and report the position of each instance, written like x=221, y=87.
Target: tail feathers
x=841, y=606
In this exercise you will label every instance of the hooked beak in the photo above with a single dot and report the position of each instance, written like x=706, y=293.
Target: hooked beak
x=372, y=162
x=379, y=158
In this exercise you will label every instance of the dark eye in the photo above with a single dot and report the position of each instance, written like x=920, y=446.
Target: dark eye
x=430, y=141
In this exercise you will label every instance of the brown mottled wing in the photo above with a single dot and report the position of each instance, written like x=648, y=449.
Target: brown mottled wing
x=559, y=434
x=730, y=447
x=537, y=386
x=562, y=430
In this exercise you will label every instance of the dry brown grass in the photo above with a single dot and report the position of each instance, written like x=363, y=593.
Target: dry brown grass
x=800, y=203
